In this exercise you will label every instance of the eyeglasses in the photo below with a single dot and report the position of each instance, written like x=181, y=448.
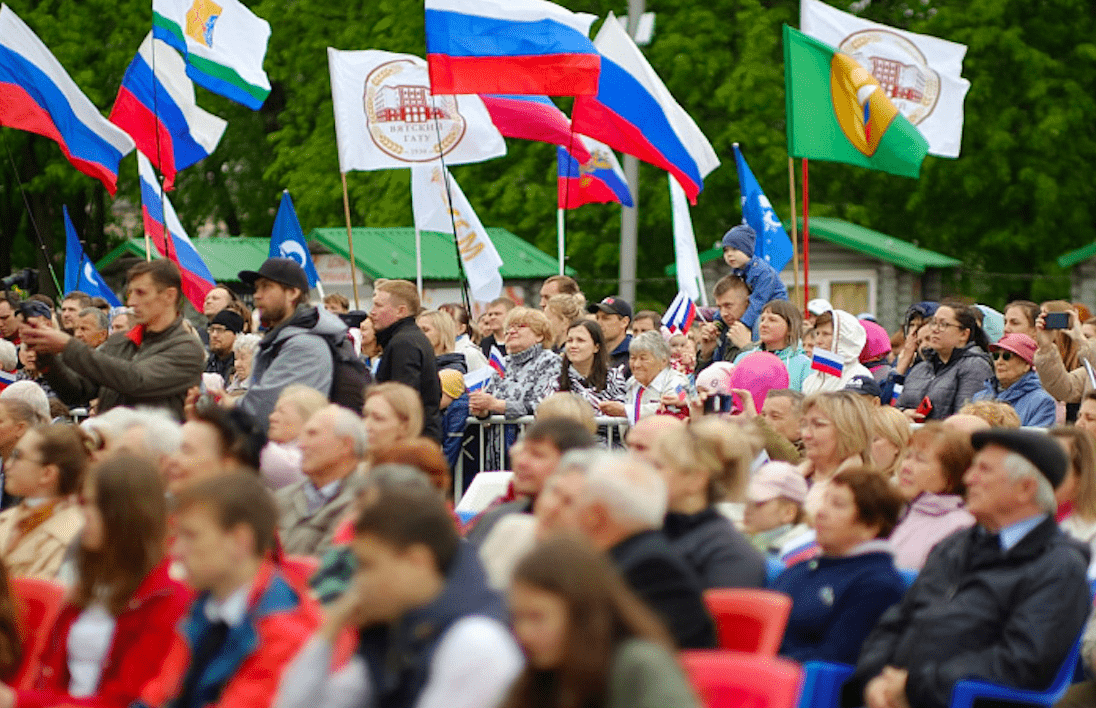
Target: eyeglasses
x=941, y=324
x=516, y=327
x=216, y=329
x=18, y=454
x=1003, y=355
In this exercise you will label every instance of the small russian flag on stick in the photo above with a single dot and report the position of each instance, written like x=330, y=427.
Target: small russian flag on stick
x=476, y=380
x=496, y=362
x=680, y=316
x=827, y=362
x=7, y=378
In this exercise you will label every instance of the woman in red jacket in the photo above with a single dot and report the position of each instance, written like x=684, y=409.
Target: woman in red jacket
x=113, y=633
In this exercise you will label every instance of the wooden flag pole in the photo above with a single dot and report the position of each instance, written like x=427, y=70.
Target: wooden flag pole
x=350, y=242
x=806, y=238
x=801, y=300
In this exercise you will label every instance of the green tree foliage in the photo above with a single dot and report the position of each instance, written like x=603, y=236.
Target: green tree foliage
x=1017, y=198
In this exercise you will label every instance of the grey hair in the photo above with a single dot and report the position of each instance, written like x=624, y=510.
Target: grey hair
x=162, y=433
x=22, y=411
x=582, y=461
x=348, y=424
x=1018, y=467
x=650, y=343
x=393, y=476
x=630, y=489
x=248, y=342
x=9, y=357
x=101, y=318
x=32, y=394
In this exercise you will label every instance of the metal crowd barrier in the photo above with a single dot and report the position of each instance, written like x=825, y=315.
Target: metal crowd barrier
x=614, y=430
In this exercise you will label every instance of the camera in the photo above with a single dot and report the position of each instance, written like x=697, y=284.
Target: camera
x=26, y=280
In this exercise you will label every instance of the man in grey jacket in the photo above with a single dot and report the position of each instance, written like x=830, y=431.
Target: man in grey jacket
x=298, y=346
x=151, y=365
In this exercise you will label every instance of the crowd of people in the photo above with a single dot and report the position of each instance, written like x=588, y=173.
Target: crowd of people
x=260, y=511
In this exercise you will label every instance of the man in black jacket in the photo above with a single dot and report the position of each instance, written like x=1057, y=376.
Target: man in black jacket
x=621, y=511
x=1001, y=602
x=408, y=356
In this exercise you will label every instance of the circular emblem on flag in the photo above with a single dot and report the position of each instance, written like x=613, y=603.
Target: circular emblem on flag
x=404, y=119
x=900, y=68
x=294, y=250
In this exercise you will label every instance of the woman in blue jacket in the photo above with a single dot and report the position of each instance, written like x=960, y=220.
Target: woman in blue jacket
x=1016, y=383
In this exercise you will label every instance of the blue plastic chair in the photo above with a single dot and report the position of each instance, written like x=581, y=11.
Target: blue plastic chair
x=966, y=693
x=822, y=684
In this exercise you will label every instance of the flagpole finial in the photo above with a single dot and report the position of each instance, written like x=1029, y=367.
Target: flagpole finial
x=734, y=144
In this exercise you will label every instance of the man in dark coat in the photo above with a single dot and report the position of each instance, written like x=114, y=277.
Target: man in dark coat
x=1002, y=602
x=621, y=511
x=408, y=356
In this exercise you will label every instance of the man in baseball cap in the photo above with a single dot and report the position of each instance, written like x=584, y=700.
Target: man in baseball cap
x=1016, y=383
x=300, y=339
x=1000, y=602
x=774, y=507
x=614, y=316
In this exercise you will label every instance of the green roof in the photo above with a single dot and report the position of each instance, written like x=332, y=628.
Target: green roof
x=862, y=240
x=378, y=252
x=1074, y=257
x=390, y=253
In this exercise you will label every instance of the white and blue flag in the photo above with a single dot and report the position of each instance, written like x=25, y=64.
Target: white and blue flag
x=773, y=245
x=287, y=239
x=80, y=272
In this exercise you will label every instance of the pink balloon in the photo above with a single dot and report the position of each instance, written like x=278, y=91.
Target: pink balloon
x=759, y=373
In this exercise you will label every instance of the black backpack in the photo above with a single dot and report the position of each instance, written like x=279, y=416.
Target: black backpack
x=349, y=375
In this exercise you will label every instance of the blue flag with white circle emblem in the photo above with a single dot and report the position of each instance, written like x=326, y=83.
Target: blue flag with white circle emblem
x=80, y=272
x=772, y=245
x=287, y=239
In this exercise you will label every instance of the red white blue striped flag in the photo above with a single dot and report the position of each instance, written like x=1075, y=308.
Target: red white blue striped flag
x=680, y=316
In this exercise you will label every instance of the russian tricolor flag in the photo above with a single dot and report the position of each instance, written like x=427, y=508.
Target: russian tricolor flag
x=37, y=95
x=634, y=112
x=827, y=362
x=532, y=118
x=476, y=380
x=496, y=362
x=160, y=113
x=598, y=179
x=163, y=227
x=509, y=46
x=680, y=316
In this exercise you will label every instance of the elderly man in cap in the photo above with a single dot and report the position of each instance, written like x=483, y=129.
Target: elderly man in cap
x=300, y=340
x=223, y=328
x=1002, y=602
x=1016, y=383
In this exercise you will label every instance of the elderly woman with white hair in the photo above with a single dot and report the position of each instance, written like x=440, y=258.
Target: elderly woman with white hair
x=244, y=349
x=653, y=382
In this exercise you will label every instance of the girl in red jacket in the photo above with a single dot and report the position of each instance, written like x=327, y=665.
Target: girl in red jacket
x=113, y=633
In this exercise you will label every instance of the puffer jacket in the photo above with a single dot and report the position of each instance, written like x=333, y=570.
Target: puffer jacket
x=1008, y=617
x=848, y=339
x=1034, y=405
x=948, y=385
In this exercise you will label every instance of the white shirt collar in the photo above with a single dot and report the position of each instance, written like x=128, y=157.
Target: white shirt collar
x=231, y=610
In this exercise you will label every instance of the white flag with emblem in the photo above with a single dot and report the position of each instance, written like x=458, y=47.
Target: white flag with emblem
x=386, y=117
x=434, y=211
x=920, y=73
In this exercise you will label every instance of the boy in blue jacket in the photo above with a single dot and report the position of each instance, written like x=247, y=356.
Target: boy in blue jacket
x=762, y=278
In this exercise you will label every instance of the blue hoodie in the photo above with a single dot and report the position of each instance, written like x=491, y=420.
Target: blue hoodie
x=1034, y=405
x=765, y=286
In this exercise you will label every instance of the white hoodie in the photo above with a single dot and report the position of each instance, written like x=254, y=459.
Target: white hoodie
x=848, y=341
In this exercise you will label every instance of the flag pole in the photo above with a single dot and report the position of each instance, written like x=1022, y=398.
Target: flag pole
x=418, y=260
x=560, y=244
x=806, y=238
x=350, y=241
x=801, y=296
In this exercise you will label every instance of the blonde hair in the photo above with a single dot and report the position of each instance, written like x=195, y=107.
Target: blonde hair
x=564, y=404
x=892, y=425
x=569, y=307
x=996, y=413
x=305, y=399
x=533, y=319
x=713, y=447
x=403, y=292
x=405, y=401
x=851, y=416
x=445, y=326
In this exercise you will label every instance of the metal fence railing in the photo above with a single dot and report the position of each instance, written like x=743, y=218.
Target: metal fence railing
x=473, y=455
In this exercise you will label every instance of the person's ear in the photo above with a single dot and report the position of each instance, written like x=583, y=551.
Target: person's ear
x=243, y=541
x=50, y=477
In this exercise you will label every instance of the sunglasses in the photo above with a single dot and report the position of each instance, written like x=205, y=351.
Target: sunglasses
x=1003, y=355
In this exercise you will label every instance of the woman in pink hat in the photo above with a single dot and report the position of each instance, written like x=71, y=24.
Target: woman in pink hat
x=1016, y=383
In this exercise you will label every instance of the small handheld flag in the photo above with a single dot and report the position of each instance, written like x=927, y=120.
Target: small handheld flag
x=287, y=239
x=496, y=362
x=827, y=362
x=772, y=245
x=80, y=273
x=476, y=380
x=679, y=318
x=7, y=378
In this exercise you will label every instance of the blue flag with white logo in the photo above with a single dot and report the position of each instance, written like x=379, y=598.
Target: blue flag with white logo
x=773, y=245
x=287, y=239
x=80, y=273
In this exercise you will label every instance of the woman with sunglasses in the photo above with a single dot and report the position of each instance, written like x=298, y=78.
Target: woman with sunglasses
x=955, y=366
x=1016, y=383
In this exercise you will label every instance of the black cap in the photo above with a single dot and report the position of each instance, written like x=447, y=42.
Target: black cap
x=229, y=320
x=612, y=306
x=864, y=385
x=281, y=270
x=1040, y=449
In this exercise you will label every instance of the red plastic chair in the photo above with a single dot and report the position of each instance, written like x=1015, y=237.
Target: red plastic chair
x=37, y=604
x=749, y=620
x=300, y=568
x=725, y=679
